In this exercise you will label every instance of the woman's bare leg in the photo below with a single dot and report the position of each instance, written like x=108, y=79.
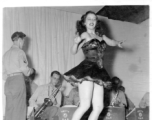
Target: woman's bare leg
x=85, y=94
x=97, y=102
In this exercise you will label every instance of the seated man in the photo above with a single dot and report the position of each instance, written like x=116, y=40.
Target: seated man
x=30, y=86
x=33, y=85
x=73, y=98
x=70, y=101
x=46, y=91
x=118, y=97
x=144, y=101
x=70, y=94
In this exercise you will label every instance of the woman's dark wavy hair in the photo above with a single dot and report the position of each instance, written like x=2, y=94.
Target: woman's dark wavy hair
x=81, y=27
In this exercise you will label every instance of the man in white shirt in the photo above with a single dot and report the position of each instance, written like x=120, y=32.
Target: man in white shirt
x=47, y=91
x=144, y=101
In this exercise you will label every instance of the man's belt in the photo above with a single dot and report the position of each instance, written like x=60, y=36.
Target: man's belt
x=14, y=74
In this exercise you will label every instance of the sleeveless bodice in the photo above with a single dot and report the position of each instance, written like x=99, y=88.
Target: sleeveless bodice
x=92, y=65
x=94, y=49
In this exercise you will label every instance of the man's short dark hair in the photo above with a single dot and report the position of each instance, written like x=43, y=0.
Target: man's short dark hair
x=55, y=72
x=60, y=79
x=17, y=35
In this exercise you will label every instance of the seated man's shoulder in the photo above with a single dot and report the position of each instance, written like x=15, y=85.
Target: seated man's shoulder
x=121, y=92
x=33, y=84
x=42, y=86
x=75, y=90
x=147, y=94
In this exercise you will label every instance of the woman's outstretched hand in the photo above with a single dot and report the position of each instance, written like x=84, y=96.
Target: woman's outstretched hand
x=107, y=85
x=120, y=43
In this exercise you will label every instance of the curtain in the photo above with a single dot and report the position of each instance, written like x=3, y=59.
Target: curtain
x=50, y=34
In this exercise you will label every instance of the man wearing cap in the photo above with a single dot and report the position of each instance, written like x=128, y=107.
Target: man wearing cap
x=15, y=66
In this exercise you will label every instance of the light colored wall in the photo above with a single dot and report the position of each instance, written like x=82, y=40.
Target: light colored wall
x=130, y=64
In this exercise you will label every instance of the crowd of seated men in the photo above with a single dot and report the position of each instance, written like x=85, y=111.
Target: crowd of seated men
x=68, y=95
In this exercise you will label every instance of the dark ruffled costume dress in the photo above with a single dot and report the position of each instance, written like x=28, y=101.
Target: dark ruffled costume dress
x=92, y=64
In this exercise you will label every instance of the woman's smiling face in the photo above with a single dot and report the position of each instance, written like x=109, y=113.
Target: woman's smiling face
x=90, y=21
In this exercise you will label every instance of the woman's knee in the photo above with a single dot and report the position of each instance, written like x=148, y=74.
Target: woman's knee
x=85, y=106
x=98, y=107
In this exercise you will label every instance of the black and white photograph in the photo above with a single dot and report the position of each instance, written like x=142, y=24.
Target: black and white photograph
x=77, y=62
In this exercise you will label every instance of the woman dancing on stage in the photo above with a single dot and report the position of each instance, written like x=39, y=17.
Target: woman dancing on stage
x=90, y=73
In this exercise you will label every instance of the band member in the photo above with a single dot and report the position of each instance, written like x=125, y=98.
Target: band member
x=46, y=91
x=144, y=101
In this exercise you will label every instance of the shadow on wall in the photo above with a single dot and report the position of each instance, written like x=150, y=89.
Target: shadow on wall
x=25, y=48
x=110, y=56
x=111, y=52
